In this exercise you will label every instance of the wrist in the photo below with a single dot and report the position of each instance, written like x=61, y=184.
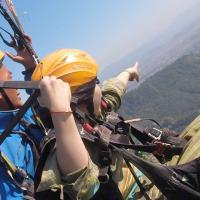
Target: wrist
x=61, y=110
x=29, y=66
x=127, y=71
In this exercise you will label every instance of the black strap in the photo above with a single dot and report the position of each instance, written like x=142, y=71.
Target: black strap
x=104, y=154
x=18, y=116
x=4, y=40
x=108, y=191
x=18, y=175
x=19, y=35
x=169, y=180
x=142, y=188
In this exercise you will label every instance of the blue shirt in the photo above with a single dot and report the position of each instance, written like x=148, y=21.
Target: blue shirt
x=18, y=150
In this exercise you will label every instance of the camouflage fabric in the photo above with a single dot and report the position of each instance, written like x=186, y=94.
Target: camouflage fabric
x=82, y=184
x=192, y=149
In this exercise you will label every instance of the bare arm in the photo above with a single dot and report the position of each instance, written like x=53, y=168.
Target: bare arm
x=70, y=150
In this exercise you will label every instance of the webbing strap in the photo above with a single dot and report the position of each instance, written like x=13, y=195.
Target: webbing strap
x=17, y=174
x=19, y=115
x=4, y=40
x=142, y=188
x=167, y=179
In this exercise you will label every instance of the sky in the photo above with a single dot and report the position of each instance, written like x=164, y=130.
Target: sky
x=107, y=29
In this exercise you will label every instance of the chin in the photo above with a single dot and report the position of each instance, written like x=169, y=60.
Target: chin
x=18, y=103
x=18, y=106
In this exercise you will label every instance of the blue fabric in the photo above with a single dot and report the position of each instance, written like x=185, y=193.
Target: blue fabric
x=135, y=186
x=19, y=151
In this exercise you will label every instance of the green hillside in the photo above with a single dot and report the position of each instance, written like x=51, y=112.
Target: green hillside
x=171, y=96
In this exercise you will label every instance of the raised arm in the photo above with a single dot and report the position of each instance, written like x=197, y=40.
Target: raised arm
x=70, y=150
x=129, y=74
x=113, y=89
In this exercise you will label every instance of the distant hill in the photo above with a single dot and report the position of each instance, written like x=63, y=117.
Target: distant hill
x=171, y=96
x=179, y=39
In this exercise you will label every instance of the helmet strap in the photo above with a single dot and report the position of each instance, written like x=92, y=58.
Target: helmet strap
x=90, y=105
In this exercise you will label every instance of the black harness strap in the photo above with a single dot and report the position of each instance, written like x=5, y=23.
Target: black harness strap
x=142, y=188
x=163, y=151
x=105, y=154
x=169, y=180
x=19, y=176
x=108, y=191
x=19, y=115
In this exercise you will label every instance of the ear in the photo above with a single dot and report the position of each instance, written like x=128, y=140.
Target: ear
x=1, y=97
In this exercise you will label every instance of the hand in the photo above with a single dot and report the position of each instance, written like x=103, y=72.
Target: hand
x=55, y=94
x=133, y=72
x=23, y=56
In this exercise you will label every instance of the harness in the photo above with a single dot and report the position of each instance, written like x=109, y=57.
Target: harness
x=111, y=135
x=18, y=175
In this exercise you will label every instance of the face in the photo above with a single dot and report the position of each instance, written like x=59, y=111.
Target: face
x=6, y=75
x=96, y=101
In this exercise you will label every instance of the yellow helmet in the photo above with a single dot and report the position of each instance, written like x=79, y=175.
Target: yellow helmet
x=2, y=55
x=71, y=65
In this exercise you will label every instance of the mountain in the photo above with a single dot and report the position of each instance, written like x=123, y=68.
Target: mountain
x=179, y=39
x=171, y=96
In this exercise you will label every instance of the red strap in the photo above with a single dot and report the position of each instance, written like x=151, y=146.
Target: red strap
x=88, y=128
x=104, y=104
x=160, y=148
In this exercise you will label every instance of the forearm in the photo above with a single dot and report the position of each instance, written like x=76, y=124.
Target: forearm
x=113, y=90
x=129, y=74
x=124, y=78
x=70, y=150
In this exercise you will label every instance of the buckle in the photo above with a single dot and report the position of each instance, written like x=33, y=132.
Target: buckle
x=161, y=147
x=155, y=134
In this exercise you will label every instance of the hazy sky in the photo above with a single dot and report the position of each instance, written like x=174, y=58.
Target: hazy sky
x=107, y=29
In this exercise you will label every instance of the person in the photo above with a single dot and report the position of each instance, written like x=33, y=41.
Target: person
x=18, y=153
x=82, y=183
x=116, y=87
x=48, y=86
x=73, y=70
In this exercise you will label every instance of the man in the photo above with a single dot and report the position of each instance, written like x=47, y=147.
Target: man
x=80, y=70
x=77, y=68
x=16, y=150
